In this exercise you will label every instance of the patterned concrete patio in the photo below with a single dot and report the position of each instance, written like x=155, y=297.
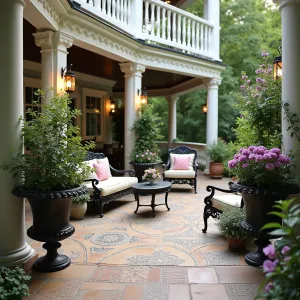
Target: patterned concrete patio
x=128, y=256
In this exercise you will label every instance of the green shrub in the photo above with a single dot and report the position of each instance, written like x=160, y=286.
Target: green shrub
x=218, y=151
x=81, y=199
x=229, y=222
x=13, y=283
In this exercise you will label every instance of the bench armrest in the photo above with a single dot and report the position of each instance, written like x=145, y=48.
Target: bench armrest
x=212, y=190
x=94, y=183
x=131, y=173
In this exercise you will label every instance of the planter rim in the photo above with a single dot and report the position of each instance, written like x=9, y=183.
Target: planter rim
x=284, y=190
x=144, y=163
x=20, y=191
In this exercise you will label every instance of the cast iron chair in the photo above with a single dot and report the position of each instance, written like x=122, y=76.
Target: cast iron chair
x=181, y=176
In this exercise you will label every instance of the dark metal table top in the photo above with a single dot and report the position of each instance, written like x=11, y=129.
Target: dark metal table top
x=144, y=187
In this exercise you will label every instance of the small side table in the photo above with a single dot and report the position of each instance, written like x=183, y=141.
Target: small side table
x=146, y=189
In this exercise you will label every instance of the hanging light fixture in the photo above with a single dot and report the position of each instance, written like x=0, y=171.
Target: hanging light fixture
x=277, y=65
x=69, y=78
x=144, y=95
x=204, y=108
x=112, y=106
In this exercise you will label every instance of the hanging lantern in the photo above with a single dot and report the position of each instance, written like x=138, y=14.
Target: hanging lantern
x=204, y=108
x=112, y=106
x=277, y=65
x=144, y=96
x=69, y=78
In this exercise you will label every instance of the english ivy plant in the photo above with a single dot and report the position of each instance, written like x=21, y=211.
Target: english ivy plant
x=13, y=283
x=54, y=154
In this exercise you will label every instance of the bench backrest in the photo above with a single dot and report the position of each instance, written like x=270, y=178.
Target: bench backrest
x=183, y=150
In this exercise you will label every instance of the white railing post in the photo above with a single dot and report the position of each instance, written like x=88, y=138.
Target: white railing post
x=212, y=14
x=136, y=21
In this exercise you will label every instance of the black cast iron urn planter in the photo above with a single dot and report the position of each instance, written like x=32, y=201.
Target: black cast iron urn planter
x=140, y=168
x=258, y=203
x=50, y=211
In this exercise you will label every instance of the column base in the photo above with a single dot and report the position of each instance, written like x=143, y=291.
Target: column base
x=206, y=172
x=17, y=257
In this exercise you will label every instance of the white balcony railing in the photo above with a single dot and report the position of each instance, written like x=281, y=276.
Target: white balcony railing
x=156, y=22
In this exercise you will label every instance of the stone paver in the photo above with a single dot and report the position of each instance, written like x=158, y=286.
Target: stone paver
x=202, y=275
x=241, y=291
x=209, y=292
x=179, y=292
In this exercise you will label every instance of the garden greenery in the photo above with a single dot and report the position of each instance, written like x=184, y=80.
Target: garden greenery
x=13, y=283
x=218, y=151
x=282, y=268
x=229, y=223
x=147, y=129
x=81, y=199
x=54, y=152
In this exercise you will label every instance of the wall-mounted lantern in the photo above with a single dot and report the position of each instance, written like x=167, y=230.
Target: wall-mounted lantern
x=204, y=108
x=144, y=95
x=112, y=106
x=277, y=65
x=69, y=78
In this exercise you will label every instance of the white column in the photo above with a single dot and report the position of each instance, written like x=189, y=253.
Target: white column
x=13, y=248
x=212, y=115
x=290, y=16
x=54, y=52
x=136, y=20
x=212, y=14
x=172, y=119
x=133, y=83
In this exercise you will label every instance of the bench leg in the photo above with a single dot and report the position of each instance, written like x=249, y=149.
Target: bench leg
x=205, y=217
x=100, y=203
x=195, y=186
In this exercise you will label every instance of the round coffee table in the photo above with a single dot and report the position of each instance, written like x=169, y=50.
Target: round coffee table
x=146, y=189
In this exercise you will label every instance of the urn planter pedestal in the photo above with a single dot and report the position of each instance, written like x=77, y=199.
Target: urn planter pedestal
x=140, y=168
x=50, y=212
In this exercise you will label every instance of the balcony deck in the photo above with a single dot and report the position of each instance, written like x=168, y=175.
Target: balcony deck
x=127, y=256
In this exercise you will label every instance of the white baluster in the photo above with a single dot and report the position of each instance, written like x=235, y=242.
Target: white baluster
x=189, y=33
x=104, y=6
x=169, y=25
x=164, y=23
x=121, y=10
x=201, y=39
x=174, y=27
x=209, y=32
x=184, y=31
x=113, y=14
x=158, y=21
x=97, y=4
x=193, y=34
x=152, y=18
x=109, y=8
x=125, y=11
x=197, y=35
x=205, y=38
x=146, y=16
x=128, y=11
x=179, y=29
x=117, y=9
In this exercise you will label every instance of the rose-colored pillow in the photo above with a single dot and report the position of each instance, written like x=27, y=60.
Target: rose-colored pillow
x=102, y=171
x=181, y=162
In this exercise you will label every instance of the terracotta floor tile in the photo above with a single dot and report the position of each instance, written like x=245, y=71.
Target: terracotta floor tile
x=112, y=274
x=103, y=286
x=179, y=292
x=133, y=292
x=153, y=275
x=135, y=274
x=35, y=285
x=202, y=275
x=209, y=292
x=73, y=271
x=239, y=274
x=97, y=295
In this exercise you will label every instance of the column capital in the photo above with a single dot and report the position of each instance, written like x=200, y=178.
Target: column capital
x=214, y=83
x=172, y=98
x=131, y=68
x=53, y=40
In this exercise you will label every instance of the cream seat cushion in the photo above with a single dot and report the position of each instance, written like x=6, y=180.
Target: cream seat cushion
x=180, y=174
x=191, y=160
x=112, y=185
x=219, y=201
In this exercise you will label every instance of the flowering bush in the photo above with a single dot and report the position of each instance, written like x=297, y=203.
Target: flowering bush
x=260, y=104
x=147, y=157
x=151, y=174
x=282, y=268
x=258, y=166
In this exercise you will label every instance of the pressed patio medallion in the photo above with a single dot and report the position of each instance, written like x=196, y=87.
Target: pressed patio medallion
x=110, y=238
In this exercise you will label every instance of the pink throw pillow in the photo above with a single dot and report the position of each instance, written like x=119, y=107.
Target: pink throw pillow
x=181, y=162
x=102, y=171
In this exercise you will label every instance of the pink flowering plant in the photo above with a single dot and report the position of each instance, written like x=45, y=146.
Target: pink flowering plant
x=147, y=157
x=151, y=174
x=259, y=102
x=257, y=166
x=282, y=266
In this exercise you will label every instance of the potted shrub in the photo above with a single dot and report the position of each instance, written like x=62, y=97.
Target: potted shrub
x=229, y=225
x=218, y=153
x=13, y=283
x=145, y=152
x=51, y=172
x=79, y=206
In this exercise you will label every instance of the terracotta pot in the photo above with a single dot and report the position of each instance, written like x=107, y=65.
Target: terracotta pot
x=78, y=210
x=235, y=244
x=216, y=170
